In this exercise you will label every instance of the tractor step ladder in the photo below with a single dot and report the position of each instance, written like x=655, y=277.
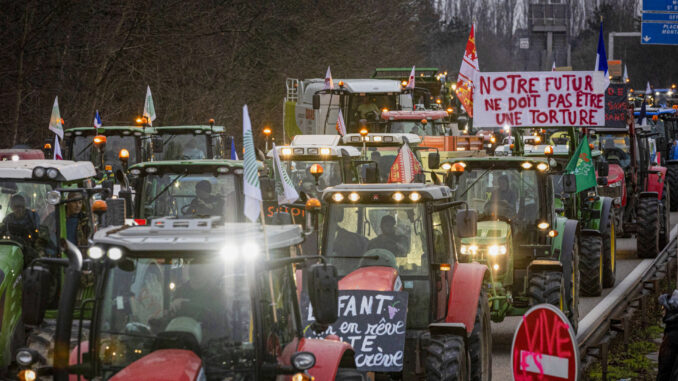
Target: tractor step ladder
x=292, y=87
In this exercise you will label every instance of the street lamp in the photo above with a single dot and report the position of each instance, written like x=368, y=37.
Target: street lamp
x=267, y=132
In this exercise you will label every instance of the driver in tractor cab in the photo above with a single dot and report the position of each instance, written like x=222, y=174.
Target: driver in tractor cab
x=191, y=151
x=21, y=224
x=389, y=239
x=77, y=223
x=503, y=199
x=205, y=204
x=368, y=109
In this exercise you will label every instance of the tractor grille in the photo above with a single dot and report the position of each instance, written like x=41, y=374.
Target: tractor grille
x=612, y=192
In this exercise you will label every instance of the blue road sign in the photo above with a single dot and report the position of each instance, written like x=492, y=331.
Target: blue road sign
x=658, y=33
x=665, y=17
x=660, y=5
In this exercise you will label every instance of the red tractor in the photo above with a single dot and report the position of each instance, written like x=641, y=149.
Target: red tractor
x=637, y=185
x=403, y=237
x=192, y=299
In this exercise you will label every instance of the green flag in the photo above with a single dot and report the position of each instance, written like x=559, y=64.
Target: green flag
x=581, y=165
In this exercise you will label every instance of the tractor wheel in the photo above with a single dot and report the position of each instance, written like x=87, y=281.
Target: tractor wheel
x=480, y=342
x=545, y=287
x=446, y=358
x=610, y=252
x=664, y=217
x=591, y=265
x=570, y=296
x=647, y=236
x=672, y=178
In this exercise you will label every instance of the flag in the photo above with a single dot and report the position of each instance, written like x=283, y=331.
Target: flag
x=55, y=121
x=57, y=149
x=149, y=108
x=97, y=120
x=341, y=125
x=469, y=66
x=251, y=176
x=410, y=81
x=234, y=151
x=581, y=165
x=642, y=115
x=329, y=84
x=626, y=75
x=601, y=57
x=553, y=68
x=283, y=185
x=405, y=166
x=648, y=90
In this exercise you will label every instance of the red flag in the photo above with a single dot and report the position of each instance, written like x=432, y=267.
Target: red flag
x=57, y=149
x=469, y=66
x=405, y=166
x=410, y=80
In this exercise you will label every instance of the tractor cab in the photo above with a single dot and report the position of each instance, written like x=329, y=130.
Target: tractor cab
x=520, y=237
x=403, y=237
x=203, y=300
x=382, y=148
x=189, y=143
x=109, y=148
x=187, y=189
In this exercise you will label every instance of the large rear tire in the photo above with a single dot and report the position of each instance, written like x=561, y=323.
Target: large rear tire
x=665, y=217
x=446, y=358
x=672, y=178
x=480, y=342
x=647, y=222
x=591, y=265
x=610, y=251
x=545, y=287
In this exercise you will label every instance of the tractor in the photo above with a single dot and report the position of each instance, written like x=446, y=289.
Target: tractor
x=595, y=212
x=402, y=237
x=643, y=190
x=195, y=299
x=170, y=188
x=34, y=215
x=189, y=143
x=531, y=251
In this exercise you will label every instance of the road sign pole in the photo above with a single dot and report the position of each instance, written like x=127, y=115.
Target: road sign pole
x=612, y=35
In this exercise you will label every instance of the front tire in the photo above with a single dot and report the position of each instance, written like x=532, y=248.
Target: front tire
x=672, y=178
x=647, y=222
x=591, y=265
x=480, y=342
x=446, y=358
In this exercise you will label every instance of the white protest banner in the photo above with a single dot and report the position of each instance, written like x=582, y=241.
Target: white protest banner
x=543, y=98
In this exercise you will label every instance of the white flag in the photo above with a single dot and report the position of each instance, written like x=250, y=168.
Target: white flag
x=648, y=90
x=57, y=149
x=251, y=176
x=329, y=84
x=283, y=185
x=55, y=121
x=626, y=74
x=149, y=108
x=410, y=81
x=341, y=125
x=553, y=68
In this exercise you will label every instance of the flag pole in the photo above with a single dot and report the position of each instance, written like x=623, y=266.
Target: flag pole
x=270, y=277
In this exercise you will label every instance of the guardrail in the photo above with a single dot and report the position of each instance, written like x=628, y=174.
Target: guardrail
x=613, y=314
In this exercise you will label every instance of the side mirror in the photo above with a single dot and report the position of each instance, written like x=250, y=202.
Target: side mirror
x=268, y=189
x=157, y=143
x=570, y=183
x=434, y=160
x=37, y=281
x=467, y=223
x=371, y=174
x=603, y=169
x=316, y=101
x=121, y=179
x=115, y=212
x=323, y=292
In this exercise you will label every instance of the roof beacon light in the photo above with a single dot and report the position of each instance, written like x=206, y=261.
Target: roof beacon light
x=548, y=150
x=316, y=169
x=99, y=140
x=363, y=132
x=123, y=154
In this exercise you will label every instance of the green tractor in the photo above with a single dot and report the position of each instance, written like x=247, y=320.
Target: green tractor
x=35, y=217
x=186, y=188
x=594, y=212
x=530, y=250
x=189, y=143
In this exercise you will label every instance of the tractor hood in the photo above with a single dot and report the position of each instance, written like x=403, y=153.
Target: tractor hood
x=376, y=278
x=615, y=174
x=163, y=365
x=489, y=233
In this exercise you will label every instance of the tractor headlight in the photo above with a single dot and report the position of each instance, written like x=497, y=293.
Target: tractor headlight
x=302, y=360
x=495, y=250
x=38, y=172
x=469, y=249
x=26, y=357
x=95, y=252
x=114, y=253
x=53, y=197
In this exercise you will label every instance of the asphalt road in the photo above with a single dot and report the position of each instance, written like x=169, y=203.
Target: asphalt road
x=502, y=333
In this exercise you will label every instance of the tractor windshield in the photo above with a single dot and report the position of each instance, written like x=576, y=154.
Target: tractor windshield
x=430, y=128
x=368, y=107
x=303, y=180
x=377, y=235
x=28, y=218
x=502, y=193
x=189, y=195
x=616, y=148
x=183, y=147
x=203, y=304
x=84, y=150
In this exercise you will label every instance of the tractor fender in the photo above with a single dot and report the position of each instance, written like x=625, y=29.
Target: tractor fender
x=589, y=232
x=655, y=180
x=605, y=212
x=330, y=354
x=467, y=281
x=569, y=237
x=73, y=359
x=672, y=162
x=649, y=195
x=457, y=329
